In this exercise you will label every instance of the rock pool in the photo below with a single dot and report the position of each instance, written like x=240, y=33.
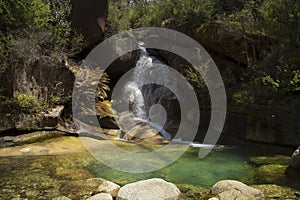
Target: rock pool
x=44, y=176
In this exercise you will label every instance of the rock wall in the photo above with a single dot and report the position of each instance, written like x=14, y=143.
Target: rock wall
x=46, y=77
x=232, y=42
x=88, y=17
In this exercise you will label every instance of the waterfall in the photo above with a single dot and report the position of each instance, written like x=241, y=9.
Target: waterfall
x=143, y=99
x=143, y=65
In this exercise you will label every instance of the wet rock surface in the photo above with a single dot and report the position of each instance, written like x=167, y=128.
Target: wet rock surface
x=295, y=160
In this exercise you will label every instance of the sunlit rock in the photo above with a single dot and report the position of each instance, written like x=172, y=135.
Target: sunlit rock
x=230, y=189
x=151, y=189
x=101, y=196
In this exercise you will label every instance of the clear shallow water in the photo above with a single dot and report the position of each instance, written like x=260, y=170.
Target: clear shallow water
x=40, y=176
x=251, y=166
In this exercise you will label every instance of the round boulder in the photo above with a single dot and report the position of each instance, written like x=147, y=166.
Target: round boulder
x=295, y=160
x=151, y=189
x=230, y=189
x=101, y=196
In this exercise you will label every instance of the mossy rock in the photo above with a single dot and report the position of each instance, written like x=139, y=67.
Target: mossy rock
x=192, y=192
x=263, y=160
x=272, y=191
x=272, y=173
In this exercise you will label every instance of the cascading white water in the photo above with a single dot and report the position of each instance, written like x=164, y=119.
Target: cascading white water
x=135, y=94
x=142, y=98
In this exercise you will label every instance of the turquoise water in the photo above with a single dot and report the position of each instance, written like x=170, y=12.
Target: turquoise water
x=190, y=170
x=238, y=164
x=37, y=176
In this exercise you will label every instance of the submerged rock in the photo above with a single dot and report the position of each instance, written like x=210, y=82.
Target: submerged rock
x=272, y=173
x=230, y=189
x=277, y=192
x=25, y=150
x=84, y=188
x=269, y=160
x=295, y=160
x=72, y=174
x=151, y=189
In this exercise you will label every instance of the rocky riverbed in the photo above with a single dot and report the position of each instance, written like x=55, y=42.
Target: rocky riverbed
x=62, y=167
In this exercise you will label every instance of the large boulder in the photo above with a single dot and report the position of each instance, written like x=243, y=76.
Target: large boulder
x=232, y=42
x=230, y=189
x=88, y=18
x=295, y=160
x=152, y=189
x=11, y=140
x=31, y=122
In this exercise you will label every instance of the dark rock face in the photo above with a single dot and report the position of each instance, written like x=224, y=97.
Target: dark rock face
x=47, y=77
x=31, y=122
x=88, y=18
x=122, y=65
x=268, y=128
x=295, y=160
x=124, y=62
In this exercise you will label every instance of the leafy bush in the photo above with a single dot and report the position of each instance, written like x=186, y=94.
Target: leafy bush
x=282, y=19
x=173, y=14
x=264, y=89
x=119, y=16
x=22, y=103
x=24, y=14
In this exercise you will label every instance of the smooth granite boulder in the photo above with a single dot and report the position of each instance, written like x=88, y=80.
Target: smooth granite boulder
x=230, y=189
x=151, y=189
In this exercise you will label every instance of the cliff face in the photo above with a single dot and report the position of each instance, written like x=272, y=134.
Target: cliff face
x=46, y=77
x=88, y=18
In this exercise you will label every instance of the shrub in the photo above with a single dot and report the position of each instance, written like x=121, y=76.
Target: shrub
x=261, y=88
x=22, y=103
x=282, y=19
x=174, y=14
